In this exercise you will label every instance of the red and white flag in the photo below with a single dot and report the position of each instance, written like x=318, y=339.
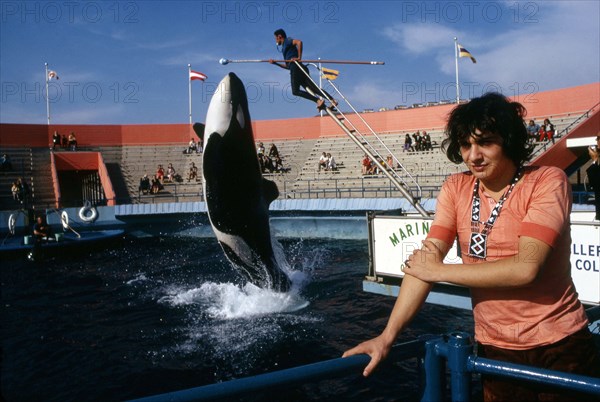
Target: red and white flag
x=52, y=74
x=196, y=75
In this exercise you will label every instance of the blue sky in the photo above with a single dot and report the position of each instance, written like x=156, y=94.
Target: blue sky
x=126, y=62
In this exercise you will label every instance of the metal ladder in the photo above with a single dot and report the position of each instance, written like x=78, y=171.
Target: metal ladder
x=363, y=143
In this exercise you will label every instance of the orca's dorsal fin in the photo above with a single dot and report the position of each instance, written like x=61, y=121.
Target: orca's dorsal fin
x=270, y=190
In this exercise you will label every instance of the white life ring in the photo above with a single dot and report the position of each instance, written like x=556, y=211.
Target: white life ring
x=83, y=213
x=64, y=219
x=12, y=223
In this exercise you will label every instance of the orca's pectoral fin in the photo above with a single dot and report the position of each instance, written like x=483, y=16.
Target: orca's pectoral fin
x=199, y=130
x=270, y=190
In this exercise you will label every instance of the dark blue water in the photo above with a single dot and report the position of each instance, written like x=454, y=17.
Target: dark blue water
x=153, y=315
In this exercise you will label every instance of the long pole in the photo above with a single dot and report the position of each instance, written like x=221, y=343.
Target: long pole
x=320, y=81
x=190, y=92
x=456, y=65
x=226, y=61
x=47, y=97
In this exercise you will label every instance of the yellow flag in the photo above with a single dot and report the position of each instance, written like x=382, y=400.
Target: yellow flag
x=329, y=74
x=462, y=52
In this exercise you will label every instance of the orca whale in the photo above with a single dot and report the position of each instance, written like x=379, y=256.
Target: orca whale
x=236, y=194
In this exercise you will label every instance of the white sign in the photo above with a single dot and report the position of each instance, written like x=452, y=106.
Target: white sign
x=394, y=240
x=585, y=261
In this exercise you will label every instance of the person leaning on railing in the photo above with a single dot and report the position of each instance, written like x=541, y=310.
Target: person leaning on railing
x=513, y=227
x=593, y=173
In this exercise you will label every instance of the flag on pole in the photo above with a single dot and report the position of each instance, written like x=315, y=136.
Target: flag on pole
x=196, y=75
x=329, y=73
x=462, y=52
x=52, y=74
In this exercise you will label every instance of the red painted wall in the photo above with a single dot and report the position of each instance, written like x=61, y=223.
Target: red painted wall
x=76, y=160
x=29, y=135
x=35, y=135
x=539, y=105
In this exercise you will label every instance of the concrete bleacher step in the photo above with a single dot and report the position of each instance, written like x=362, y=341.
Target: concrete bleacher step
x=127, y=164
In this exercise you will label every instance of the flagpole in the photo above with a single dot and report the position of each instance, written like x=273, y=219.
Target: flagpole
x=190, y=91
x=456, y=64
x=47, y=97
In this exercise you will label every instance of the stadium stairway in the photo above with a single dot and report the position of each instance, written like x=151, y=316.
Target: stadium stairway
x=21, y=160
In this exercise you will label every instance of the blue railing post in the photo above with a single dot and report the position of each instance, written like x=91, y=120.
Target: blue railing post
x=434, y=372
x=459, y=349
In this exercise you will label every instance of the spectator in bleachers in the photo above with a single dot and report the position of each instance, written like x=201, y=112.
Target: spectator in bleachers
x=72, y=141
x=14, y=189
x=264, y=162
x=408, y=144
x=323, y=161
x=160, y=174
x=5, y=163
x=417, y=140
x=533, y=129
x=376, y=169
x=268, y=164
x=170, y=173
x=273, y=151
x=156, y=185
x=426, y=141
x=144, y=185
x=389, y=161
x=64, y=143
x=331, y=165
x=55, y=140
x=541, y=132
x=548, y=131
x=278, y=164
x=593, y=173
x=260, y=149
x=192, y=147
x=366, y=165
x=193, y=173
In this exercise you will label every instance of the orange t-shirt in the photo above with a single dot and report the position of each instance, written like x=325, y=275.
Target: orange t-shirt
x=547, y=310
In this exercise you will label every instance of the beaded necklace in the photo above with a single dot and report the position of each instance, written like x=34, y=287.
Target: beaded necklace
x=478, y=240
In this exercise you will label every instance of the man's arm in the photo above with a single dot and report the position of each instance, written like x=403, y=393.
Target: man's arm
x=516, y=271
x=298, y=44
x=411, y=297
x=278, y=64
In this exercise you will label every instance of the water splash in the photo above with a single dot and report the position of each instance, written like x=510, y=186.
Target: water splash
x=228, y=301
x=139, y=278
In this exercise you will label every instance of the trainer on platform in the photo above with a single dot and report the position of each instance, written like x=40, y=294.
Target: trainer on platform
x=299, y=74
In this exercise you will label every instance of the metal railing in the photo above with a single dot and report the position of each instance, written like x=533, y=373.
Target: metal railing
x=287, y=192
x=337, y=188
x=452, y=353
x=543, y=147
x=364, y=145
